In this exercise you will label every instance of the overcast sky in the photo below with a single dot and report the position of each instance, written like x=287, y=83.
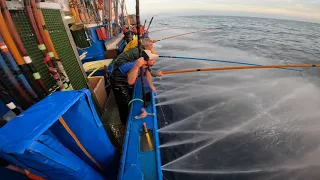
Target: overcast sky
x=308, y=10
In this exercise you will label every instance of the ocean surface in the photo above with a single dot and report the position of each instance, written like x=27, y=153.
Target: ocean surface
x=260, y=124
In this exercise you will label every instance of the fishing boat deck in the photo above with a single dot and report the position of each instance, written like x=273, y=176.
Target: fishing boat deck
x=111, y=121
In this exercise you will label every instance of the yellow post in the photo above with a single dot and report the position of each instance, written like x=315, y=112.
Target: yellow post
x=147, y=136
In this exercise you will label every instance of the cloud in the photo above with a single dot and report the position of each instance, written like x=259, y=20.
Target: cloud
x=299, y=9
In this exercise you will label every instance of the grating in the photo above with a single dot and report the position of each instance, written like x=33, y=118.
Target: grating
x=26, y=35
x=61, y=42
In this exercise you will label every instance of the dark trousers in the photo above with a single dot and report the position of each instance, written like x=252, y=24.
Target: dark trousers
x=123, y=95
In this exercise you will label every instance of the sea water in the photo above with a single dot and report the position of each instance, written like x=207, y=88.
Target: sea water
x=242, y=124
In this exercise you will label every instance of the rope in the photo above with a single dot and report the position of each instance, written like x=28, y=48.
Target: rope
x=136, y=99
x=243, y=67
x=222, y=61
x=74, y=137
x=94, y=71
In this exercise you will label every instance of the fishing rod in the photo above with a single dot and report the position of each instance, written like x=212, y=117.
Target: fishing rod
x=150, y=23
x=52, y=49
x=144, y=24
x=10, y=77
x=140, y=52
x=13, y=66
x=242, y=67
x=73, y=10
x=94, y=12
x=182, y=35
x=223, y=61
x=41, y=46
x=89, y=11
x=25, y=63
x=85, y=9
x=4, y=96
x=81, y=11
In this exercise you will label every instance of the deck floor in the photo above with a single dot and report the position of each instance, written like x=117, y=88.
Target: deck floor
x=111, y=122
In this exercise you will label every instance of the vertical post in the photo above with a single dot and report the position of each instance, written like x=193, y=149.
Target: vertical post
x=110, y=17
x=122, y=12
x=116, y=21
x=140, y=51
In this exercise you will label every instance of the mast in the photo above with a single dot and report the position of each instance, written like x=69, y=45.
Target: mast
x=140, y=51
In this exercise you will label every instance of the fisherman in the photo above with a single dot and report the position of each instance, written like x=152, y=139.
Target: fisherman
x=134, y=43
x=135, y=32
x=125, y=72
x=127, y=34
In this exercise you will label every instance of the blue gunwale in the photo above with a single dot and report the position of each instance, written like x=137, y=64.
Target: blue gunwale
x=136, y=165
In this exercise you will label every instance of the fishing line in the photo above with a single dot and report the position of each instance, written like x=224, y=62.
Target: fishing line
x=158, y=30
x=222, y=61
x=202, y=30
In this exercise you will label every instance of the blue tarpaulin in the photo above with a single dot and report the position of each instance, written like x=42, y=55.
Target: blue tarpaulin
x=38, y=142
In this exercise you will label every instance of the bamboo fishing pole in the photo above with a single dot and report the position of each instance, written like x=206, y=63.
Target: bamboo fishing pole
x=242, y=67
x=83, y=10
x=25, y=64
x=182, y=35
x=73, y=10
x=41, y=46
x=4, y=96
x=13, y=66
x=140, y=52
x=52, y=49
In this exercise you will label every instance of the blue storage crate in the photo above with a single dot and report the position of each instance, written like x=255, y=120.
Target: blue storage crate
x=75, y=147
